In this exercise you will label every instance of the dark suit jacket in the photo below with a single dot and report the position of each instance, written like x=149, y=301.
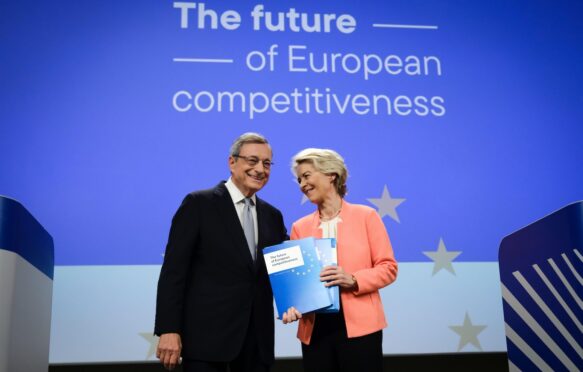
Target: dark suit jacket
x=209, y=287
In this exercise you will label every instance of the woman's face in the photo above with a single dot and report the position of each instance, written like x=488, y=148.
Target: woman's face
x=314, y=184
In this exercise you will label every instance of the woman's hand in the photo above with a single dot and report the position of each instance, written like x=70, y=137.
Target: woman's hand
x=291, y=315
x=335, y=275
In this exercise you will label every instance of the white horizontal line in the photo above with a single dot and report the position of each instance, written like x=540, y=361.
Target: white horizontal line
x=202, y=60
x=421, y=27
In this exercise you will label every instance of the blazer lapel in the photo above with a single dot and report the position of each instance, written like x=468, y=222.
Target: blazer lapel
x=344, y=212
x=316, y=230
x=233, y=225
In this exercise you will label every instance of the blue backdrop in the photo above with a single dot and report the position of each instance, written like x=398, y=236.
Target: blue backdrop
x=92, y=144
x=471, y=112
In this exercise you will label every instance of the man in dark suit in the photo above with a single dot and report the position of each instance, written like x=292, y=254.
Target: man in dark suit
x=215, y=305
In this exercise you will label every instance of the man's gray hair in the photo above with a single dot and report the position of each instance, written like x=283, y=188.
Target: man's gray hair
x=245, y=138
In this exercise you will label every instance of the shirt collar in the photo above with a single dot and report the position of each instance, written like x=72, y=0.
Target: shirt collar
x=236, y=194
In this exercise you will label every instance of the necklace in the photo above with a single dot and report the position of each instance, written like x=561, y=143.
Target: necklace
x=328, y=218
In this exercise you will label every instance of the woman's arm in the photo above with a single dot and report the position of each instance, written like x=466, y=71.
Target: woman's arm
x=384, y=266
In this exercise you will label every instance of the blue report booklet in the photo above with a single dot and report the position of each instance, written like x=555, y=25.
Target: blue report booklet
x=294, y=272
x=327, y=253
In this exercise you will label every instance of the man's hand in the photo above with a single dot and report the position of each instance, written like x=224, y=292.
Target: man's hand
x=291, y=315
x=168, y=351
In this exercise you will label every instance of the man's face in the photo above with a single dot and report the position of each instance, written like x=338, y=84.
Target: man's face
x=247, y=177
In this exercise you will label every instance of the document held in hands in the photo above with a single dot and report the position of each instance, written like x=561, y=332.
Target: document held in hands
x=294, y=272
x=328, y=256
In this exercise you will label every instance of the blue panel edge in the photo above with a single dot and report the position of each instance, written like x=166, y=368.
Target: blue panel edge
x=22, y=234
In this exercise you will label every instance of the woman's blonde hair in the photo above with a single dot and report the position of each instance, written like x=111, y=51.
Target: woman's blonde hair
x=326, y=161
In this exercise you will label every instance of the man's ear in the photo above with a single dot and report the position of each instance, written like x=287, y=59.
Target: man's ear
x=231, y=162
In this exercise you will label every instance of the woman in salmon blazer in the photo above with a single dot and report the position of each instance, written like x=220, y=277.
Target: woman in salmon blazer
x=350, y=340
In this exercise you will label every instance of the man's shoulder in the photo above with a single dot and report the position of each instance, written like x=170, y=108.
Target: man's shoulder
x=208, y=193
x=202, y=197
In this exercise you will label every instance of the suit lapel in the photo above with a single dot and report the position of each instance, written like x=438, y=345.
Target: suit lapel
x=263, y=229
x=231, y=221
x=262, y=224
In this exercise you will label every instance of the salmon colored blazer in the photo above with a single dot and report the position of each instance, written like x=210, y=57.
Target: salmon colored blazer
x=364, y=250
